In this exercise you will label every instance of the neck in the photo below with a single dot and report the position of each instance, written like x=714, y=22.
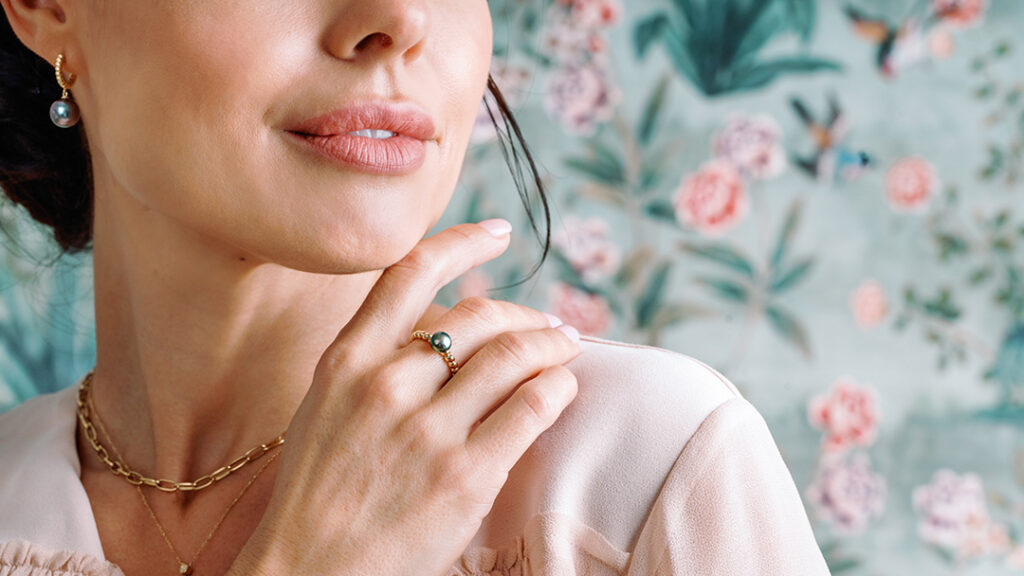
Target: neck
x=203, y=351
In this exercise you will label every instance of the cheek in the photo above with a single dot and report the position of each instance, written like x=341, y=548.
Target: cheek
x=461, y=56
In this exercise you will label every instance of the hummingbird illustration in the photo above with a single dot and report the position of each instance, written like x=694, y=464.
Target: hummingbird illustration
x=899, y=46
x=832, y=161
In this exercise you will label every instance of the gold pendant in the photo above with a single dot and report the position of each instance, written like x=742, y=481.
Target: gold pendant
x=185, y=569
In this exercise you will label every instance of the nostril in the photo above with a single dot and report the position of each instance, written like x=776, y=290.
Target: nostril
x=379, y=38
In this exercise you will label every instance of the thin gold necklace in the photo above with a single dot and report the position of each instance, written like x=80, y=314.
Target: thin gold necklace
x=184, y=568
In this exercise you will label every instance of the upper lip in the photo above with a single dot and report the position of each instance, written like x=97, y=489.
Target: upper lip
x=402, y=118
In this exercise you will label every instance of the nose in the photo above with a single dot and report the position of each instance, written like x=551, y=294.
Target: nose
x=373, y=29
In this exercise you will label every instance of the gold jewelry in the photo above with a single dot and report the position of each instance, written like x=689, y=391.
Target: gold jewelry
x=441, y=343
x=184, y=568
x=120, y=469
x=64, y=112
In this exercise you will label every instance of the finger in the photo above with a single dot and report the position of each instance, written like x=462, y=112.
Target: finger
x=493, y=373
x=503, y=437
x=471, y=324
x=405, y=289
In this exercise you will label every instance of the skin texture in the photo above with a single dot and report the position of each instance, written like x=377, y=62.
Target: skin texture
x=227, y=259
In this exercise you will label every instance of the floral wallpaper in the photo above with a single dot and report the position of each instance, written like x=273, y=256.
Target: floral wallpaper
x=822, y=199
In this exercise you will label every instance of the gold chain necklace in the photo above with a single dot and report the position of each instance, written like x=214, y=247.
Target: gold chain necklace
x=120, y=469
x=184, y=568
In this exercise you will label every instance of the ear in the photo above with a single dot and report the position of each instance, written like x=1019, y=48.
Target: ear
x=41, y=25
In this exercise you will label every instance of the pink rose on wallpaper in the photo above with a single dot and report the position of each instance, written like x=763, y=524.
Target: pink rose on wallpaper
x=940, y=42
x=848, y=414
x=713, y=199
x=588, y=313
x=753, y=144
x=474, y=283
x=595, y=13
x=847, y=494
x=910, y=185
x=961, y=13
x=585, y=244
x=869, y=304
x=953, y=514
x=581, y=97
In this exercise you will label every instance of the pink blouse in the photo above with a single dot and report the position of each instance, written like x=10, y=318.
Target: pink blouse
x=659, y=467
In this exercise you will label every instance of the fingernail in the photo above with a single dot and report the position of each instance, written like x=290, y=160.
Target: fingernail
x=496, y=226
x=570, y=332
x=553, y=320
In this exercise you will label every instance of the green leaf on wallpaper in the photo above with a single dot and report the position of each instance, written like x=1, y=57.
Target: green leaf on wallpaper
x=791, y=278
x=789, y=328
x=994, y=165
x=786, y=234
x=727, y=289
x=672, y=314
x=764, y=73
x=843, y=565
x=723, y=254
x=662, y=210
x=603, y=165
x=652, y=112
x=653, y=296
x=801, y=16
x=633, y=264
x=647, y=31
x=715, y=43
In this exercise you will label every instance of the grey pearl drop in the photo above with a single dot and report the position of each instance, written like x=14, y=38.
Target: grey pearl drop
x=64, y=113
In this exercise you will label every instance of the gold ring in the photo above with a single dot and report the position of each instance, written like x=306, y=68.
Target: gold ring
x=441, y=343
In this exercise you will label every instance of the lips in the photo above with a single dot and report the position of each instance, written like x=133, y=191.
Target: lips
x=351, y=137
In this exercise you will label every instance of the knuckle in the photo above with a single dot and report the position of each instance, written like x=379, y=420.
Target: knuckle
x=386, y=390
x=480, y=308
x=453, y=471
x=538, y=405
x=515, y=348
x=425, y=431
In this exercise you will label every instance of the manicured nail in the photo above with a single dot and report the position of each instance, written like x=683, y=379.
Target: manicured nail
x=570, y=332
x=553, y=320
x=496, y=226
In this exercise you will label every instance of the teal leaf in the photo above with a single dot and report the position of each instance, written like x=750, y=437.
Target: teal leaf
x=792, y=277
x=605, y=169
x=647, y=31
x=789, y=328
x=654, y=294
x=723, y=254
x=843, y=565
x=652, y=112
x=786, y=234
x=726, y=289
x=661, y=210
x=801, y=15
x=764, y=73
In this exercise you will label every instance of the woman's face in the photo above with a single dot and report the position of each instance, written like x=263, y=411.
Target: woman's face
x=194, y=109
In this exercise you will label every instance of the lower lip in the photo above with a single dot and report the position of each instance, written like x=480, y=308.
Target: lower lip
x=387, y=156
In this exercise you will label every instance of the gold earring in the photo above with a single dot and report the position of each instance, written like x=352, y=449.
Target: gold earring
x=64, y=112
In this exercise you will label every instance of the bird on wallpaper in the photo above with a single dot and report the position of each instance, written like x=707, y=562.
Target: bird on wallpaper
x=899, y=46
x=832, y=161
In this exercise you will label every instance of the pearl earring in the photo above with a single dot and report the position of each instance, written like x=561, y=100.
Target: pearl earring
x=64, y=112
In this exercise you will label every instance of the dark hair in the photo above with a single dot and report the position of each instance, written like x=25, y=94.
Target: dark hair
x=48, y=171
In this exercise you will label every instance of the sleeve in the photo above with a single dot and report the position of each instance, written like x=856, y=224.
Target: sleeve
x=728, y=507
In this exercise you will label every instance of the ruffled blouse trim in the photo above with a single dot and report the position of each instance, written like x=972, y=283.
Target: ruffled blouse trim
x=552, y=543
x=30, y=559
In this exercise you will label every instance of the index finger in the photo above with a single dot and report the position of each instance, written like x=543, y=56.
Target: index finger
x=406, y=288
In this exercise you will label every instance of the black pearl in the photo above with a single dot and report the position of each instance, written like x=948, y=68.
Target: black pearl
x=441, y=341
x=64, y=113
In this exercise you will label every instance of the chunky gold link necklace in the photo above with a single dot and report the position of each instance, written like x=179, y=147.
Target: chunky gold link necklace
x=119, y=468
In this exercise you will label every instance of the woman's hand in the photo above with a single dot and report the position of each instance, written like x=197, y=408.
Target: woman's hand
x=386, y=469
